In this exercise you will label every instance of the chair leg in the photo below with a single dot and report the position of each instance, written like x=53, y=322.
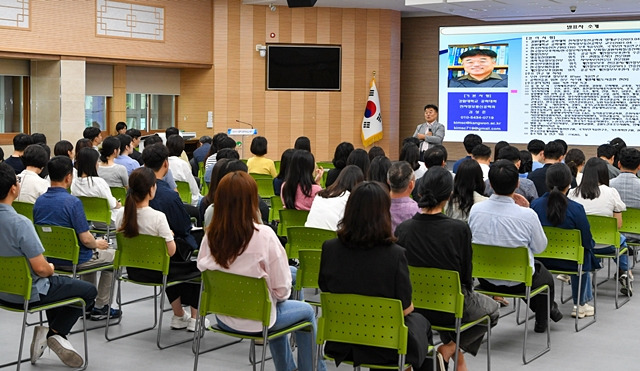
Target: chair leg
x=518, y=321
x=159, y=336
x=264, y=347
x=455, y=355
x=526, y=328
x=628, y=283
x=120, y=304
x=593, y=320
x=488, y=344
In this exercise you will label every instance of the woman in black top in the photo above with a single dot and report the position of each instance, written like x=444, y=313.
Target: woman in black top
x=343, y=150
x=434, y=240
x=365, y=260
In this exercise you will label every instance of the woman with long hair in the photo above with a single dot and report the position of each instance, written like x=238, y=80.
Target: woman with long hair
x=328, y=206
x=468, y=189
x=360, y=158
x=88, y=183
x=378, y=169
x=575, y=160
x=139, y=218
x=434, y=240
x=301, y=182
x=342, y=152
x=556, y=210
x=365, y=260
x=285, y=159
x=411, y=154
x=236, y=242
x=598, y=198
x=114, y=174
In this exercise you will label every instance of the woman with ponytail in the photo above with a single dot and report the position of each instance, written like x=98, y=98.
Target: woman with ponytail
x=435, y=240
x=89, y=184
x=114, y=174
x=556, y=210
x=139, y=218
x=575, y=160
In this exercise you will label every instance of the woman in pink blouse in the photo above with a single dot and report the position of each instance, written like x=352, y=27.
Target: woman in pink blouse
x=301, y=182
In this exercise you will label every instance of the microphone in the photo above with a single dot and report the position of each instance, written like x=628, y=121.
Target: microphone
x=246, y=123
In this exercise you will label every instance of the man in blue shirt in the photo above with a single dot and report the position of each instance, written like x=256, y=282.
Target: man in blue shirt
x=58, y=207
x=201, y=152
x=19, y=238
x=505, y=219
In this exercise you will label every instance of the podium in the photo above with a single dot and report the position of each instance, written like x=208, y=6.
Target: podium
x=241, y=134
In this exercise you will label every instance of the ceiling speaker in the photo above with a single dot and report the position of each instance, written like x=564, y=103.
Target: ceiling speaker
x=301, y=3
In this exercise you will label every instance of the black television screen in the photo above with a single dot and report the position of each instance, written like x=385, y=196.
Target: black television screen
x=303, y=67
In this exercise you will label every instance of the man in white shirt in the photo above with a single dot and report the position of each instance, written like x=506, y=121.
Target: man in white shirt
x=482, y=154
x=182, y=170
x=31, y=185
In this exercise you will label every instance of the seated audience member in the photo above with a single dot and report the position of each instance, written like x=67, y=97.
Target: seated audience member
x=575, y=160
x=181, y=170
x=222, y=143
x=607, y=152
x=80, y=144
x=135, y=135
x=213, y=149
x=536, y=148
x=139, y=218
x=556, y=210
x=360, y=158
x=378, y=169
x=365, y=260
x=627, y=183
x=204, y=144
x=121, y=128
x=526, y=187
x=207, y=200
x=435, y=156
x=301, y=182
x=553, y=153
x=469, y=142
x=598, y=198
x=167, y=200
x=114, y=174
x=328, y=206
x=64, y=148
x=285, y=159
x=434, y=240
x=376, y=151
x=468, y=190
x=19, y=238
x=258, y=164
x=58, y=207
x=619, y=145
x=238, y=243
x=401, y=180
x=497, y=147
x=32, y=186
x=151, y=140
x=343, y=150
x=20, y=143
x=302, y=143
x=94, y=135
x=501, y=221
x=411, y=154
x=89, y=184
x=125, y=150
x=482, y=154
x=1, y=155
x=174, y=131
x=565, y=146
x=526, y=162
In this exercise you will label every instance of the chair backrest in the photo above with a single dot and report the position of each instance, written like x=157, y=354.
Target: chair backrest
x=59, y=242
x=564, y=244
x=362, y=320
x=326, y=165
x=23, y=208
x=265, y=187
x=437, y=289
x=604, y=230
x=96, y=209
x=300, y=237
x=204, y=187
x=142, y=251
x=15, y=276
x=233, y=295
x=309, y=269
x=502, y=263
x=277, y=165
x=291, y=218
x=262, y=176
x=184, y=191
x=274, y=211
x=120, y=193
x=630, y=221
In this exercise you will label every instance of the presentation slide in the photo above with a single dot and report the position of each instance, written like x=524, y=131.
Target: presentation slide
x=575, y=81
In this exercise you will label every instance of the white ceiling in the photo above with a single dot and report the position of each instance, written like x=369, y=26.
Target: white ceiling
x=488, y=10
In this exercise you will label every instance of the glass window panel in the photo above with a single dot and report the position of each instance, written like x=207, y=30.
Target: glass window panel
x=162, y=111
x=95, y=111
x=137, y=111
x=11, y=105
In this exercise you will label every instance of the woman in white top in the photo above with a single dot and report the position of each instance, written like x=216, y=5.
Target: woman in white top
x=31, y=185
x=328, y=206
x=598, y=198
x=468, y=189
x=88, y=183
x=236, y=242
x=114, y=174
x=139, y=218
x=411, y=153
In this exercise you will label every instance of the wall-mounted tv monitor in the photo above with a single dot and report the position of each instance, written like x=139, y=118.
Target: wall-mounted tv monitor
x=577, y=81
x=304, y=67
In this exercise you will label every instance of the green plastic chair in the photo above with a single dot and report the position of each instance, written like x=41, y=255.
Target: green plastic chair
x=145, y=252
x=300, y=237
x=291, y=218
x=631, y=228
x=204, y=187
x=243, y=297
x=265, y=187
x=97, y=209
x=510, y=264
x=15, y=278
x=277, y=165
x=184, y=191
x=323, y=181
x=604, y=230
x=262, y=176
x=363, y=320
x=23, y=208
x=274, y=210
x=566, y=244
x=120, y=193
x=326, y=165
x=440, y=290
x=308, y=272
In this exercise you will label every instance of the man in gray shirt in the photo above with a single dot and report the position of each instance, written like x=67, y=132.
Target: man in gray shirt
x=627, y=183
